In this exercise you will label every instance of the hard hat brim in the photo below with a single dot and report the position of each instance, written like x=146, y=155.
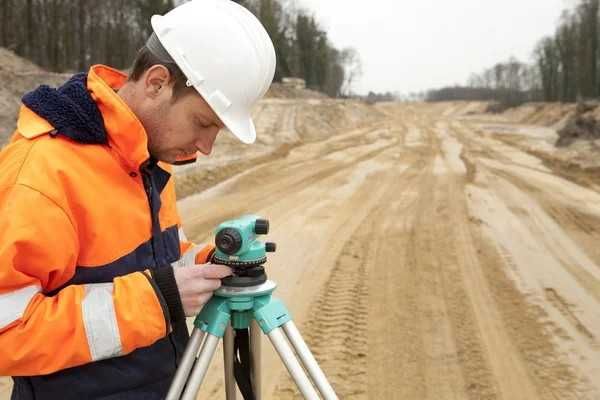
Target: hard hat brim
x=242, y=129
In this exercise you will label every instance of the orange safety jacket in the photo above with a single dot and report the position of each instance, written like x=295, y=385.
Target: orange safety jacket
x=89, y=228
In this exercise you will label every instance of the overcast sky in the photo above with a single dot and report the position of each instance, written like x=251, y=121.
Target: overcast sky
x=414, y=45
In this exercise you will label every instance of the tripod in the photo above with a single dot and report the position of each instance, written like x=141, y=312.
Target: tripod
x=243, y=308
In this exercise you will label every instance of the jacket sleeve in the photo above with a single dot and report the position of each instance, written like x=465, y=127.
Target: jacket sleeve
x=192, y=253
x=41, y=334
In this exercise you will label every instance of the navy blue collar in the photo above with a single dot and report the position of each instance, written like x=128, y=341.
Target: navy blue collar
x=70, y=109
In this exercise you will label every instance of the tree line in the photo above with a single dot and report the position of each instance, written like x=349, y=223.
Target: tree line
x=564, y=67
x=303, y=48
x=568, y=61
x=510, y=83
x=71, y=35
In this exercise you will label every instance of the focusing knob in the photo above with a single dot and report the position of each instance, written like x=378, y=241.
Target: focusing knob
x=270, y=247
x=261, y=227
x=229, y=241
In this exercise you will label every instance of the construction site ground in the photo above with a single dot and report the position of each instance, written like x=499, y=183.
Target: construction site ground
x=425, y=252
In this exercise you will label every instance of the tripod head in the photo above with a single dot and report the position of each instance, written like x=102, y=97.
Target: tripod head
x=238, y=247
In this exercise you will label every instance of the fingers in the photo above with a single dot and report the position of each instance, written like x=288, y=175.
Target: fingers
x=209, y=285
x=196, y=285
x=213, y=271
x=193, y=305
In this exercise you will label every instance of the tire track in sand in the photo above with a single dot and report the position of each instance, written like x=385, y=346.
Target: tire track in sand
x=337, y=332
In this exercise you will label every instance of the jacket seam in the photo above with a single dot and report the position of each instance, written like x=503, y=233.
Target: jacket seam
x=49, y=199
x=25, y=159
x=16, y=182
x=162, y=302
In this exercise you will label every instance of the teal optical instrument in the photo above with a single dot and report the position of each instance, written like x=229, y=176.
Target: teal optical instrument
x=239, y=312
x=237, y=246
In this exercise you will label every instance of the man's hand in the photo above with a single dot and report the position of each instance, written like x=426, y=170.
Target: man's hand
x=196, y=285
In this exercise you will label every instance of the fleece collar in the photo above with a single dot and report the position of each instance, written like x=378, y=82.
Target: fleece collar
x=69, y=109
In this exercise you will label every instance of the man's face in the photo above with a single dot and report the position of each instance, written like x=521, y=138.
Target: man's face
x=176, y=129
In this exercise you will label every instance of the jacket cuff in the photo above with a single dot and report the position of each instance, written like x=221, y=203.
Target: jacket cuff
x=165, y=281
x=205, y=255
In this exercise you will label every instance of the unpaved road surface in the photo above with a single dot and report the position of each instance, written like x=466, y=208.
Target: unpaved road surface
x=425, y=257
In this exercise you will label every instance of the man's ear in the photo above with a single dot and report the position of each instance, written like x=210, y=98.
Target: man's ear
x=156, y=80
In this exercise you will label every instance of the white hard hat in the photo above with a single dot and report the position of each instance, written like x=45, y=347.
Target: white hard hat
x=226, y=55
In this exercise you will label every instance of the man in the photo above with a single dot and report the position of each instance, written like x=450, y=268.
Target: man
x=96, y=277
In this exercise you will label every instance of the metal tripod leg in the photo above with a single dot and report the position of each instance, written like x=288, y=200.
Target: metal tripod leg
x=315, y=372
x=292, y=364
x=230, y=391
x=199, y=372
x=187, y=362
x=255, y=359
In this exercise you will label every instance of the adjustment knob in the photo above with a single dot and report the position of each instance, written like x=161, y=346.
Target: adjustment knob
x=270, y=247
x=261, y=227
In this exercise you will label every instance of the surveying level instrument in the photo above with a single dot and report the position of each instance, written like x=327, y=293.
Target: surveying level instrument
x=238, y=312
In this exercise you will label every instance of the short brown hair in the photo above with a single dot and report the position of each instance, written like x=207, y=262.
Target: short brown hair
x=145, y=59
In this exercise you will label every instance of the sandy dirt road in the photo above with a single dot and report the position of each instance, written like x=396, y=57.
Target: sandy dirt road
x=425, y=257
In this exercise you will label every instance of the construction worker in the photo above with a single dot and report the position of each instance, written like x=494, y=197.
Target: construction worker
x=96, y=276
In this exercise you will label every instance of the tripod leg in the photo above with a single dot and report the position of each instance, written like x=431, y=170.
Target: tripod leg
x=230, y=392
x=309, y=361
x=255, y=358
x=199, y=372
x=293, y=366
x=187, y=362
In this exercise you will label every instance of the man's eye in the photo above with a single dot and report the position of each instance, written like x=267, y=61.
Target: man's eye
x=204, y=124
x=201, y=124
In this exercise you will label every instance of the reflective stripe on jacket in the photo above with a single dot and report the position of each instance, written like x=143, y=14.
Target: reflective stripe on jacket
x=82, y=224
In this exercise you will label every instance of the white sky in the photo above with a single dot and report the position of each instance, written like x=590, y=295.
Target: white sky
x=416, y=45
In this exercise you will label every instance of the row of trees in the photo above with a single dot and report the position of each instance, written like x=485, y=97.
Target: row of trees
x=304, y=49
x=70, y=35
x=565, y=66
x=568, y=61
x=510, y=83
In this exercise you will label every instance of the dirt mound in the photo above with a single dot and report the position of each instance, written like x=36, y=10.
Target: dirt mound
x=279, y=91
x=281, y=125
x=546, y=114
x=572, y=122
x=18, y=76
x=584, y=125
x=459, y=108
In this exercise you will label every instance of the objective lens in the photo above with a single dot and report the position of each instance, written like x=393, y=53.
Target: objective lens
x=228, y=241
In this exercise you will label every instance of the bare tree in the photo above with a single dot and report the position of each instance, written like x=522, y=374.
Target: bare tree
x=353, y=68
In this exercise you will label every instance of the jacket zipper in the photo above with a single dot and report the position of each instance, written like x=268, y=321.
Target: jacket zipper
x=148, y=188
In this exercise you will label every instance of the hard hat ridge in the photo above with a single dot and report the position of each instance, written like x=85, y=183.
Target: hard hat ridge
x=154, y=46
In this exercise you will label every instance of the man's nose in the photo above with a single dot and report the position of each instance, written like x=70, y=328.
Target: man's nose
x=205, y=143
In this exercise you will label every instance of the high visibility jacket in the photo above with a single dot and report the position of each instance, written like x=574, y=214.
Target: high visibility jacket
x=89, y=308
